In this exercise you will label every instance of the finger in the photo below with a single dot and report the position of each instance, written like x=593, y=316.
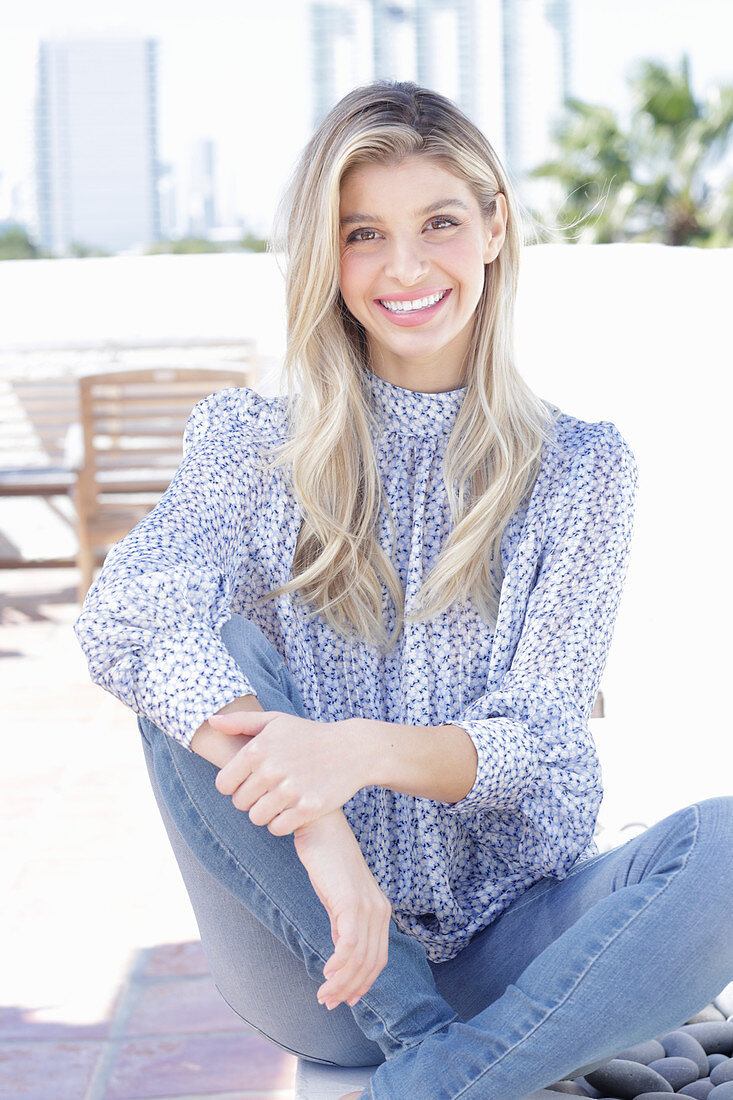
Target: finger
x=381, y=955
x=234, y=773
x=290, y=819
x=253, y=788
x=360, y=983
x=266, y=808
x=249, y=722
x=345, y=962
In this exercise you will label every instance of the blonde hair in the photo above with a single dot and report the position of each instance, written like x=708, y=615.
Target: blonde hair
x=494, y=451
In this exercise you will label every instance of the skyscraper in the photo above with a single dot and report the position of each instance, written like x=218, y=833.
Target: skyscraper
x=536, y=51
x=97, y=144
x=394, y=39
x=341, y=37
x=506, y=63
x=201, y=211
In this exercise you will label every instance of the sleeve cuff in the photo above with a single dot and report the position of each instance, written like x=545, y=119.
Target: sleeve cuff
x=506, y=765
x=186, y=680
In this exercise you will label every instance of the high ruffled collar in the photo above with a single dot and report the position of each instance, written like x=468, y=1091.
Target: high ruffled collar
x=412, y=412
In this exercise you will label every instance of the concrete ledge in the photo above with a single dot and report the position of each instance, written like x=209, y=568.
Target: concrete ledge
x=314, y=1081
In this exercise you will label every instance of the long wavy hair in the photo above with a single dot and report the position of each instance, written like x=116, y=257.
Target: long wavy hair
x=494, y=452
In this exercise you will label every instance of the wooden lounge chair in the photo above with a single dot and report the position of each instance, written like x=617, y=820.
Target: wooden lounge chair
x=132, y=426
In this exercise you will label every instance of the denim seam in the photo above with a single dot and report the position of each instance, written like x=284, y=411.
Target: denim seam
x=201, y=818
x=595, y=958
x=290, y=1050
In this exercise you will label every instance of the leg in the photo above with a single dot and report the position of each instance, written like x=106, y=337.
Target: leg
x=255, y=972
x=258, y=912
x=629, y=945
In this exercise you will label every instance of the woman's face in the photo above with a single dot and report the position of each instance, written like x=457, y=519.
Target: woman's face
x=414, y=245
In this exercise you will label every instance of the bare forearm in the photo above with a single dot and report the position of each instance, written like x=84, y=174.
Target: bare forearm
x=217, y=747
x=437, y=762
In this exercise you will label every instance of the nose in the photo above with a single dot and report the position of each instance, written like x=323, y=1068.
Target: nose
x=405, y=261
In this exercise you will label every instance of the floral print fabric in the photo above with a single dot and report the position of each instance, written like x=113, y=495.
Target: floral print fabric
x=224, y=534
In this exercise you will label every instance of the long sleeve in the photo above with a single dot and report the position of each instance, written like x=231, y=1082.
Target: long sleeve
x=149, y=626
x=538, y=785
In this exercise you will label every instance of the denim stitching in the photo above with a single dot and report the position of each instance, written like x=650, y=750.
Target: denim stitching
x=290, y=1050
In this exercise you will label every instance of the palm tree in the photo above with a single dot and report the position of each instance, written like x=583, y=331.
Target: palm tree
x=652, y=182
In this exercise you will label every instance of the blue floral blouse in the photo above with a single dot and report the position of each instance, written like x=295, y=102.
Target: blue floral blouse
x=223, y=534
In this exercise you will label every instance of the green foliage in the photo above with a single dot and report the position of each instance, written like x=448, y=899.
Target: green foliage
x=189, y=245
x=15, y=244
x=652, y=181
x=81, y=251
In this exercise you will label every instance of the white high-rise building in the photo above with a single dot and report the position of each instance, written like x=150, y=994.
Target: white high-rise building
x=394, y=39
x=536, y=53
x=96, y=144
x=202, y=208
x=506, y=63
x=341, y=36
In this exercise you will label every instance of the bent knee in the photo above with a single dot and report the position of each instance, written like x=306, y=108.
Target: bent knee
x=242, y=637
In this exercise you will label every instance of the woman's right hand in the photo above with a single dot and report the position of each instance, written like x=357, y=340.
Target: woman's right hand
x=357, y=908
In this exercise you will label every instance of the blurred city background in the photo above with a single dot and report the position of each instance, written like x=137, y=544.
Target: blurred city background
x=141, y=159
x=181, y=126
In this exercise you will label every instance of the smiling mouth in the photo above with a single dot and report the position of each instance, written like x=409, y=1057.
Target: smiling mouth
x=414, y=306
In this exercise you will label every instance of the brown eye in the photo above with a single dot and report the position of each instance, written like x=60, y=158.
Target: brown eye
x=442, y=223
x=362, y=235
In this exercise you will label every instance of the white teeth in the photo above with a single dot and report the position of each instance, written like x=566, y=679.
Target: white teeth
x=418, y=303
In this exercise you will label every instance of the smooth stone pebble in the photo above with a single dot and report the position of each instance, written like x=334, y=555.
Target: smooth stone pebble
x=645, y=1052
x=626, y=1079
x=699, y=1089
x=724, y=1000
x=722, y=1092
x=715, y=1060
x=711, y=1013
x=652, y=1095
x=722, y=1072
x=714, y=1038
x=593, y=1093
x=678, y=1071
x=679, y=1044
x=568, y=1087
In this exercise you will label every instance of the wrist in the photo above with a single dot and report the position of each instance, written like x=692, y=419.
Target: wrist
x=435, y=762
x=217, y=747
x=365, y=743
x=327, y=825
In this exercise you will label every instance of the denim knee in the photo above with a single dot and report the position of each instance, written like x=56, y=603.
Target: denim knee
x=262, y=664
x=245, y=642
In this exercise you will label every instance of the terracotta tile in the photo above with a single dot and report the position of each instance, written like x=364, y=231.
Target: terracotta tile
x=23, y=1023
x=38, y=1071
x=184, y=1066
x=181, y=1005
x=176, y=958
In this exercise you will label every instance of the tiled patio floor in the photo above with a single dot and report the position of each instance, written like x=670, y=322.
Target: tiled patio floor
x=168, y=1034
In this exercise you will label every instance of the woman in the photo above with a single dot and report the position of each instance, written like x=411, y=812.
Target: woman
x=363, y=631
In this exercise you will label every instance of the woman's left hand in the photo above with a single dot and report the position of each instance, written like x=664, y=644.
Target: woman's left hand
x=294, y=770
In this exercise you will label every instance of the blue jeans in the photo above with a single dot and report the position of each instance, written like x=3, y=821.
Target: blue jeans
x=628, y=945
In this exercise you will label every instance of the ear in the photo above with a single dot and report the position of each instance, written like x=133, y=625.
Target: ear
x=496, y=229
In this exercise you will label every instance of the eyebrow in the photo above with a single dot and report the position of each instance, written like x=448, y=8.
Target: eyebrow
x=354, y=219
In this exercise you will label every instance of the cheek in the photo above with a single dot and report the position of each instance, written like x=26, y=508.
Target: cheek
x=353, y=280
x=466, y=261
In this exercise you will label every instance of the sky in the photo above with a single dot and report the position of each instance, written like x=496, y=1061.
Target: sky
x=237, y=71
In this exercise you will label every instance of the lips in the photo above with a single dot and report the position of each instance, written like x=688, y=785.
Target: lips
x=406, y=310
